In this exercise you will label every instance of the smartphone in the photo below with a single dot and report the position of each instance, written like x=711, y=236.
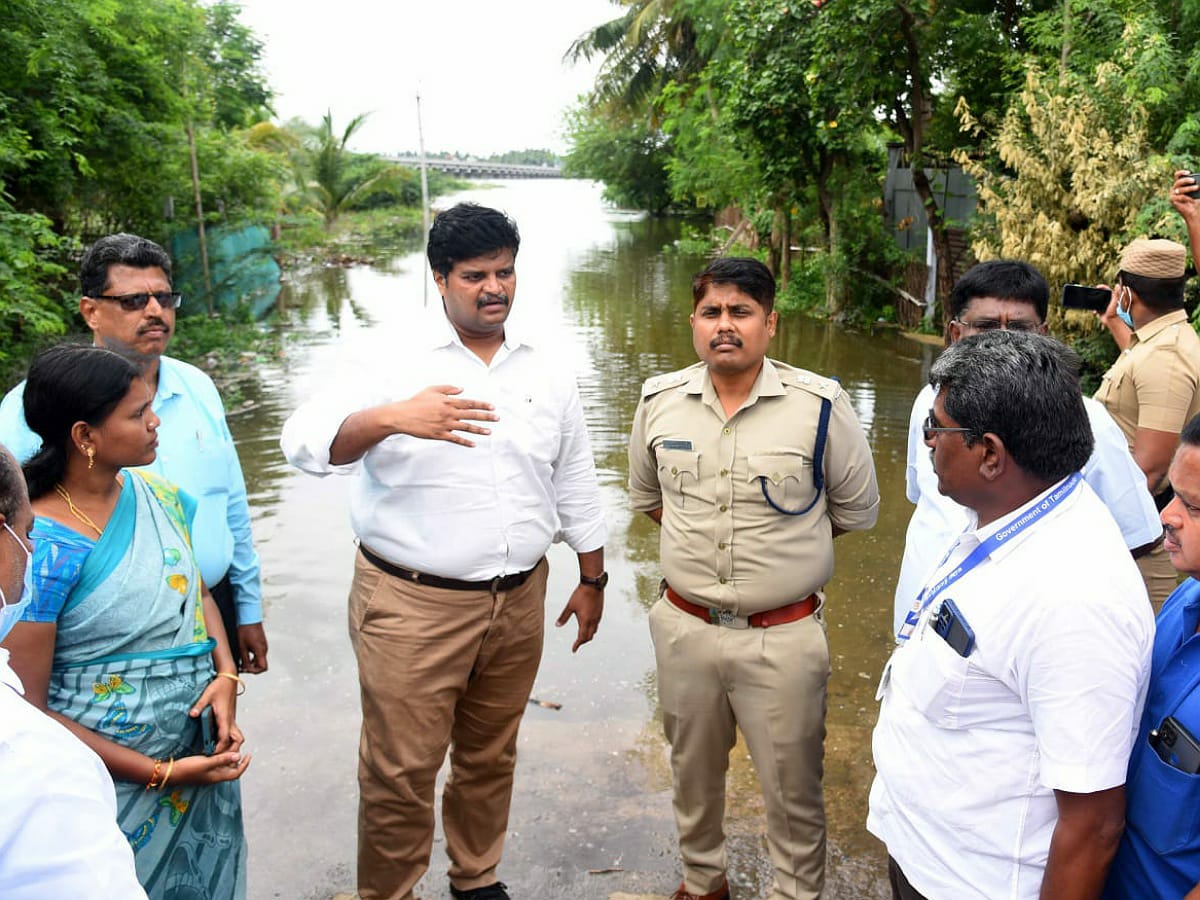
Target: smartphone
x=1194, y=193
x=1176, y=746
x=953, y=628
x=208, y=731
x=1080, y=296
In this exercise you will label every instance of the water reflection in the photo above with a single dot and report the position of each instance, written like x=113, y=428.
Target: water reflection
x=603, y=278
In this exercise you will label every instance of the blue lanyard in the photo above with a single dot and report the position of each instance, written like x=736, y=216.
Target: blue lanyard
x=1025, y=519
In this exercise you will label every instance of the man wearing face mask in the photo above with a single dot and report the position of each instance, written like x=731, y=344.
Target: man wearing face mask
x=1154, y=386
x=58, y=811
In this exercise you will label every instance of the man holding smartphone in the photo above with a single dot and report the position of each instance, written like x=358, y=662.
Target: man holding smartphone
x=1010, y=705
x=1160, y=850
x=1154, y=386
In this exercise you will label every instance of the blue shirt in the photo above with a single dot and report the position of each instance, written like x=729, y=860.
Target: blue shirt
x=195, y=452
x=1160, y=851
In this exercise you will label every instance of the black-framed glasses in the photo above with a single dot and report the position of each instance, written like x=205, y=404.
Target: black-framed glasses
x=930, y=429
x=1020, y=325
x=134, y=302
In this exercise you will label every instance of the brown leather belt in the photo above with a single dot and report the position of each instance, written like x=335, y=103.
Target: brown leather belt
x=496, y=585
x=778, y=616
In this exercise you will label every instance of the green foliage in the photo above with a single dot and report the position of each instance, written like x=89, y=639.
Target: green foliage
x=629, y=157
x=30, y=273
x=527, y=158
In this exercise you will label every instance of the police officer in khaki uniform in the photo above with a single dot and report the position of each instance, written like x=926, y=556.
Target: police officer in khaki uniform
x=751, y=467
x=1153, y=388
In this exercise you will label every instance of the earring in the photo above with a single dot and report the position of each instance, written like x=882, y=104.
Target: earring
x=91, y=455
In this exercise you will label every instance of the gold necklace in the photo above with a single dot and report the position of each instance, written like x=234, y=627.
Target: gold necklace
x=76, y=511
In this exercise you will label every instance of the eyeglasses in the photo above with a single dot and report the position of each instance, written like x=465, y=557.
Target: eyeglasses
x=134, y=302
x=1021, y=325
x=930, y=429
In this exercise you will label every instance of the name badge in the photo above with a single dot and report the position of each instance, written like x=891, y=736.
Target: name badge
x=676, y=445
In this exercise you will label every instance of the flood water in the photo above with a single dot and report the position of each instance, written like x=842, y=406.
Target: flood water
x=591, y=811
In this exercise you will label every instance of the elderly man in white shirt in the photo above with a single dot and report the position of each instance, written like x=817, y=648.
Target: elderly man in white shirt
x=1010, y=705
x=455, y=503
x=58, y=810
x=1011, y=294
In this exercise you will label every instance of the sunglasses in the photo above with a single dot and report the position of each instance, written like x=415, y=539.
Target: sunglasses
x=134, y=302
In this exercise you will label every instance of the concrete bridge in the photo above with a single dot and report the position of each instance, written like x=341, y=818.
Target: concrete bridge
x=476, y=168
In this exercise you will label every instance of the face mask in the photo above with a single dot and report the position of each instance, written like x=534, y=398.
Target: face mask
x=1124, y=314
x=10, y=612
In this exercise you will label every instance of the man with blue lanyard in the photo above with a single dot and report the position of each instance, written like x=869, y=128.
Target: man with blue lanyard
x=1010, y=294
x=129, y=305
x=1011, y=703
x=752, y=468
x=1160, y=851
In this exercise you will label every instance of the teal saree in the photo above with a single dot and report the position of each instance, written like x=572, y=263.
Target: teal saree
x=131, y=657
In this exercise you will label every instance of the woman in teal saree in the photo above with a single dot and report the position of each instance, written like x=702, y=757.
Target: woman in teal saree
x=123, y=644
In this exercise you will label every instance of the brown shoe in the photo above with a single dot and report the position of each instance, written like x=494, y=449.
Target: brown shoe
x=721, y=893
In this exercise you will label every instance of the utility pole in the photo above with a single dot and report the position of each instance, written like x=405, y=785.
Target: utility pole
x=424, y=203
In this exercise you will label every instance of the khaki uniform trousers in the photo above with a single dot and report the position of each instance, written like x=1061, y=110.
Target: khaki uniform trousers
x=438, y=669
x=1159, y=575
x=770, y=683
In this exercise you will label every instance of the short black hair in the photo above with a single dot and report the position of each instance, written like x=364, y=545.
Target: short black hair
x=1191, y=432
x=746, y=274
x=119, y=250
x=1024, y=388
x=468, y=230
x=1004, y=279
x=1160, y=294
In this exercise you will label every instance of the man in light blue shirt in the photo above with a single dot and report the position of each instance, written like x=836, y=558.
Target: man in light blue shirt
x=128, y=303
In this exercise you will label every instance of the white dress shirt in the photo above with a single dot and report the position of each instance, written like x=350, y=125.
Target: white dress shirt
x=969, y=750
x=58, y=811
x=938, y=520
x=463, y=512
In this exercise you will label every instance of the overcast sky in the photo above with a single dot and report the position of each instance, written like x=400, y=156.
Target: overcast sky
x=491, y=74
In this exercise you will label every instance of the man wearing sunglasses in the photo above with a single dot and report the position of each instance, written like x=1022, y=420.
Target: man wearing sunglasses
x=128, y=303
x=1009, y=295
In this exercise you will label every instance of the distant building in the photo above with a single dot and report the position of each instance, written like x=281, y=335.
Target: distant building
x=956, y=196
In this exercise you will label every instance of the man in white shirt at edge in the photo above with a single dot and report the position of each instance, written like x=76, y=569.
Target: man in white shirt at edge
x=455, y=504
x=58, y=811
x=1013, y=295
x=1001, y=759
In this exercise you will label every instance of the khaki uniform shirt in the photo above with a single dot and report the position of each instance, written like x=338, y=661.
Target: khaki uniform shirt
x=1155, y=382
x=722, y=544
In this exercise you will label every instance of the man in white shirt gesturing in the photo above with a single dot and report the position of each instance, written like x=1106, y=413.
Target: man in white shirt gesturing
x=455, y=503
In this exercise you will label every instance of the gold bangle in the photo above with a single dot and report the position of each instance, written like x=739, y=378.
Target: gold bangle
x=235, y=677
x=154, y=782
x=170, y=765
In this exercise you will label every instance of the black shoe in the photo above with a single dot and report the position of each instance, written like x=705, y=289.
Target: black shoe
x=497, y=891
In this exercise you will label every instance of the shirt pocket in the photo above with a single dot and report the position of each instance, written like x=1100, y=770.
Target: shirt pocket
x=678, y=473
x=1118, y=392
x=787, y=477
x=1165, y=802
x=933, y=677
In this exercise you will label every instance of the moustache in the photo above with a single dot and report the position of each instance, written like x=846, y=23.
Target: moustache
x=720, y=339
x=153, y=323
x=489, y=299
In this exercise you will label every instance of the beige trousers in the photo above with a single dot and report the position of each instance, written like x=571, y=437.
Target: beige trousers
x=770, y=683
x=438, y=669
x=1159, y=575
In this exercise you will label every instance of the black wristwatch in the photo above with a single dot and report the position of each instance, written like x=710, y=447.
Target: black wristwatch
x=599, y=582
